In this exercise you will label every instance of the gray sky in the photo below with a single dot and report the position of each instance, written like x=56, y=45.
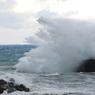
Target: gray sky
x=18, y=17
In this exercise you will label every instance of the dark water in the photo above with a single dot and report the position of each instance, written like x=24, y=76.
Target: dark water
x=9, y=54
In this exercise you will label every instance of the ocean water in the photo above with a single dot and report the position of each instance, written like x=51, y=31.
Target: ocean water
x=9, y=54
x=49, y=68
x=42, y=84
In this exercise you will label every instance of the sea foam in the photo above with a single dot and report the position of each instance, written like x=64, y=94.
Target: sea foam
x=62, y=44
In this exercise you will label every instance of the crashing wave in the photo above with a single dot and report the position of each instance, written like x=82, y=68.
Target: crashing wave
x=62, y=45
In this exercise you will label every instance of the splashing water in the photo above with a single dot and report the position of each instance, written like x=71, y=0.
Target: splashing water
x=62, y=45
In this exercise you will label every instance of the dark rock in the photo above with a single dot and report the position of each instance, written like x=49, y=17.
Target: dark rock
x=87, y=66
x=24, y=88
x=1, y=90
x=11, y=86
x=21, y=87
x=18, y=88
x=2, y=82
x=2, y=85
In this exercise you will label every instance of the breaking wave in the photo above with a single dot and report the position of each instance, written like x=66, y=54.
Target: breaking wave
x=62, y=44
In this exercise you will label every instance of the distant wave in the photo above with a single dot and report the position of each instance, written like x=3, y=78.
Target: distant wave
x=8, y=60
x=7, y=68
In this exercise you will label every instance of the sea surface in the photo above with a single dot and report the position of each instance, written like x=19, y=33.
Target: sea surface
x=39, y=83
x=9, y=54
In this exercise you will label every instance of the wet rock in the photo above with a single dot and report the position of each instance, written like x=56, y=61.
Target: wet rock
x=2, y=82
x=11, y=86
x=21, y=87
x=87, y=66
x=1, y=90
x=2, y=85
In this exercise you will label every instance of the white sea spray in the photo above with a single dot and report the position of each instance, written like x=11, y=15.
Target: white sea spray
x=62, y=45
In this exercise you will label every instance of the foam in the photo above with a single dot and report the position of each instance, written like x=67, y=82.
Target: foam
x=62, y=45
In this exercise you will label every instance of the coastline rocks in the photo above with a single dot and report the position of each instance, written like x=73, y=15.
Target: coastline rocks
x=87, y=66
x=21, y=87
x=2, y=85
x=11, y=86
x=1, y=90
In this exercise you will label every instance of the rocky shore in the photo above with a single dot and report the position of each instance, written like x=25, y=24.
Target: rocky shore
x=87, y=66
x=11, y=86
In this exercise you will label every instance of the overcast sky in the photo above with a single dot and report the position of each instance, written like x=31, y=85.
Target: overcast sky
x=18, y=18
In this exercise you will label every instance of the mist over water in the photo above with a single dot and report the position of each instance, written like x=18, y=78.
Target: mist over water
x=63, y=44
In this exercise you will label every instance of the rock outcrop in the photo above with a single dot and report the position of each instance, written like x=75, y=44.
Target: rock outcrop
x=11, y=86
x=87, y=66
